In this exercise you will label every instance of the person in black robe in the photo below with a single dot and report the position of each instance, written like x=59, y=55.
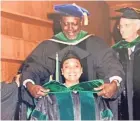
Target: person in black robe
x=128, y=51
x=102, y=62
x=9, y=99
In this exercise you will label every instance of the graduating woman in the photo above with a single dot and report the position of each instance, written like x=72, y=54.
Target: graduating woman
x=71, y=100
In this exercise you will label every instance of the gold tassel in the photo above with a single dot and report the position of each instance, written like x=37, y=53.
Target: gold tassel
x=51, y=78
x=136, y=9
x=74, y=4
x=85, y=18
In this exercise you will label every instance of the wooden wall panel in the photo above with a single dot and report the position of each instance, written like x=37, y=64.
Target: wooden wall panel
x=36, y=33
x=9, y=70
x=27, y=31
x=11, y=27
x=32, y=8
x=15, y=48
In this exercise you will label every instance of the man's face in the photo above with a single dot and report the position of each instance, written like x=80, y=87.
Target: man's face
x=71, y=26
x=128, y=28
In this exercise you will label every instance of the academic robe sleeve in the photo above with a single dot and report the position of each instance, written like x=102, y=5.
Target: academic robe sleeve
x=106, y=64
x=38, y=66
x=9, y=98
x=105, y=61
x=110, y=67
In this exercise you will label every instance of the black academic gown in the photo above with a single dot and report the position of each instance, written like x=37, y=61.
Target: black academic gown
x=102, y=62
x=82, y=107
x=130, y=98
x=9, y=99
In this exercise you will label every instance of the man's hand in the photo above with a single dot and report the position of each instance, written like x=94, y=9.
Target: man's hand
x=36, y=90
x=15, y=79
x=107, y=89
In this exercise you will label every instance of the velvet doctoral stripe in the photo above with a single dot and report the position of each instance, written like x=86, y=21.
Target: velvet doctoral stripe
x=64, y=100
x=38, y=115
x=87, y=106
x=107, y=114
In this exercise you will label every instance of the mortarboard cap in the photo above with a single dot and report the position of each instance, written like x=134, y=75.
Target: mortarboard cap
x=68, y=55
x=54, y=16
x=129, y=12
x=71, y=52
x=72, y=10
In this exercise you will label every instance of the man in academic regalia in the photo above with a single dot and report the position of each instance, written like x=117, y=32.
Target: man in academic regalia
x=101, y=63
x=129, y=55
